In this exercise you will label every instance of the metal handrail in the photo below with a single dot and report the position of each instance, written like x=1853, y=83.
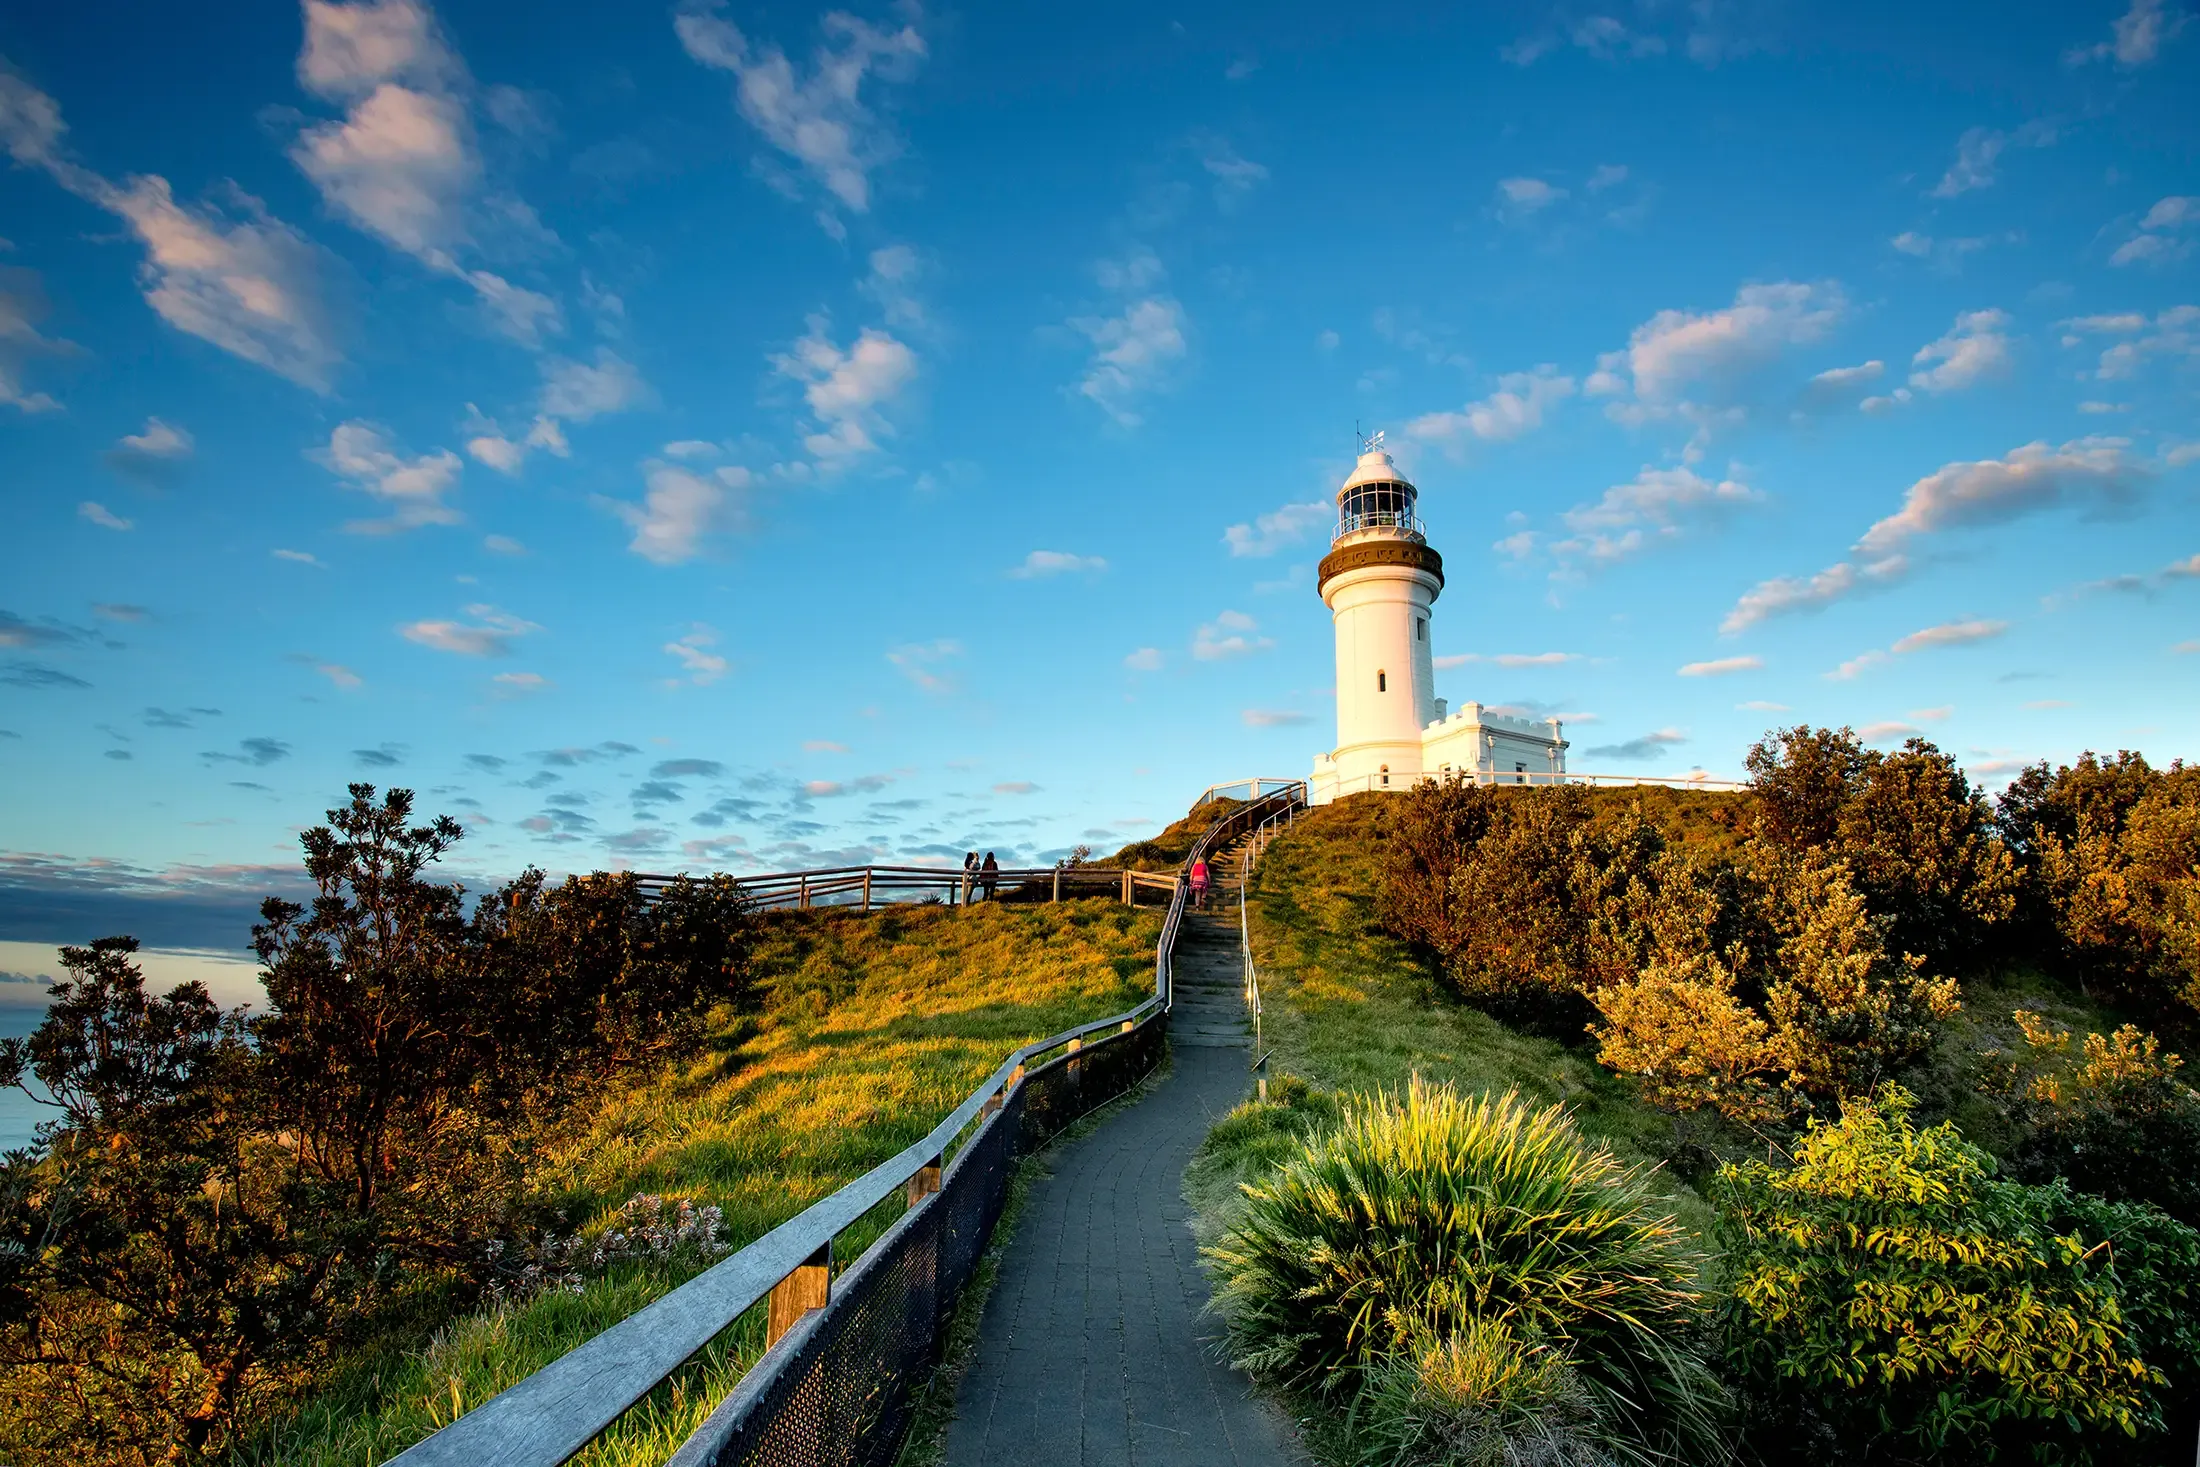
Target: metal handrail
x=1503, y=778
x=1257, y=788
x=1381, y=519
x=875, y=885
x=555, y=1412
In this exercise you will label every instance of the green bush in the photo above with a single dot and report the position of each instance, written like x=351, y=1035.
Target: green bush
x=1418, y=1220
x=1894, y=1300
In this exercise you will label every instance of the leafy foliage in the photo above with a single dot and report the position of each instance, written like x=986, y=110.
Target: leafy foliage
x=1891, y=1293
x=228, y=1198
x=2110, y=862
x=1416, y=1218
x=2112, y=1117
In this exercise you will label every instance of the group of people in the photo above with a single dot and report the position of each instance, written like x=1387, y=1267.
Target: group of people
x=980, y=878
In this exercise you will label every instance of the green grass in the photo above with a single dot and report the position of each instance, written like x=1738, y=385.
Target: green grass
x=1348, y=1008
x=876, y=1027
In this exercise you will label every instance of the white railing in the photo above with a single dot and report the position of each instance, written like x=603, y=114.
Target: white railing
x=1399, y=783
x=1252, y=789
x=866, y=887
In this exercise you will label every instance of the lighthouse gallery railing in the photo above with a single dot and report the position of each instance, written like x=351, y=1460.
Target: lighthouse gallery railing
x=837, y=1385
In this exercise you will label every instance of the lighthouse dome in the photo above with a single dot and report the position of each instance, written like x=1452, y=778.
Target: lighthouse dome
x=1377, y=497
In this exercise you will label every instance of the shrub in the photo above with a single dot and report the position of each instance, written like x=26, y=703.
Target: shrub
x=1416, y=1219
x=2112, y=1118
x=1482, y=1398
x=1891, y=1292
x=2111, y=869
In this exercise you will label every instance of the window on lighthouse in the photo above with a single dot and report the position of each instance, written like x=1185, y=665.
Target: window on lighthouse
x=1420, y=629
x=1382, y=682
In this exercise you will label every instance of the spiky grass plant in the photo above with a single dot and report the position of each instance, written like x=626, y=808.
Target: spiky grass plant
x=1482, y=1398
x=1422, y=1217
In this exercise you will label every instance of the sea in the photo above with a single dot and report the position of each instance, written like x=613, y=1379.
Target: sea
x=19, y=1114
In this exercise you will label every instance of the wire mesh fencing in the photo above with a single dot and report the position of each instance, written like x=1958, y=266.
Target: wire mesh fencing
x=839, y=1389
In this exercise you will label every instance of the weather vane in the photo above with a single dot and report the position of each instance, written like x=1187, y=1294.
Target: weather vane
x=1369, y=443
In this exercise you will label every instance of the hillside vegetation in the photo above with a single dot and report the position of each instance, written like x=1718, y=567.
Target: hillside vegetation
x=457, y=1144
x=1928, y=1172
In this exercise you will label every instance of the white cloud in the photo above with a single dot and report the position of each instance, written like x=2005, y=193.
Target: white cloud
x=1056, y=562
x=1785, y=594
x=1602, y=36
x=1649, y=746
x=1328, y=341
x=1676, y=350
x=2135, y=39
x=402, y=163
x=574, y=391
x=1933, y=715
x=1994, y=491
x=1132, y=354
x=522, y=682
x=1655, y=507
x=1286, y=525
x=1947, y=634
x=1231, y=634
x=1950, y=634
x=2172, y=333
x=105, y=518
x=1145, y=659
x=892, y=283
x=1843, y=378
x=1515, y=408
x=1607, y=175
x=680, y=507
x=1524, y=198
x=1962, y=495
x=1722, y=666
x=490, y=634
x=1761, y=705
x=921, y=663
x=20, y=308
x=1235, y=177
x=819, y=120
x=1535, y=659
x=698, y=664
x=250, y=285
x=1879, y=733
x=1978, y=153
x=413, y=487
x=847, y=390
x=152, y=456
x=2174, y=212
x=1972, y=349
x=2158, y=242
x=338, y=674
x=496, y=451
x=299, y=557
x=502, y=545
x=1910, y=242
x=1274, y=718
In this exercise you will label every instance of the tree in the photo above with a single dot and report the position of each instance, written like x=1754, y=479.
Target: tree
x=1890, y=1293
x=170, y=1259
x=372, y=1034
x=1919, y=840
x=1802, y=779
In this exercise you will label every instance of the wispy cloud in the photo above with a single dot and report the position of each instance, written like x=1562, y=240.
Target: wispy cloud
x=848, y=389
x=1979, y=152
x=1721, y=666
x=699, y=666
x=1274, y=718
x=925, y=663
x=1286, y=525
x=490, y=634
x=153, y=456
x=1230, y=634
x=820, y=119
x=360, y=453
x=1946, y=634
x=1042, y=563
x=1516, y=408
x=2135, y=39
x=1639, y=750
x=681, y=509
x=100, y=515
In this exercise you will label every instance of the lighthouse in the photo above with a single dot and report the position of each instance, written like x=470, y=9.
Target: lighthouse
x=1380, y=582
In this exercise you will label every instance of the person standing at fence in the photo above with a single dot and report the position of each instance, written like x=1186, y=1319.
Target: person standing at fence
x=990, y=872
x=970, y=876
x=1201, y=879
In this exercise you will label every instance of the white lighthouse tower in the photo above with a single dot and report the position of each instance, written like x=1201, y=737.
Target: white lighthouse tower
x=1380, y=581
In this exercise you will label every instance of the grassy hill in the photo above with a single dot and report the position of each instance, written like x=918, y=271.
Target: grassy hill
x=1350, y=1008
x=874, y=1028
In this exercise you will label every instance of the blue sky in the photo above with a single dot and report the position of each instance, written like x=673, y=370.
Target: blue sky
x=751, y=437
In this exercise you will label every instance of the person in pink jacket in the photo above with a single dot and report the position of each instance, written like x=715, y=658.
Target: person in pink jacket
x=1201, y=878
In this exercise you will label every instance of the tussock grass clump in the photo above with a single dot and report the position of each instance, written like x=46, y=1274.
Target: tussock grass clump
x=1405, y=1231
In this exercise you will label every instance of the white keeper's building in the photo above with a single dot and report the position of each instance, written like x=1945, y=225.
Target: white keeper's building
x=1380, y=581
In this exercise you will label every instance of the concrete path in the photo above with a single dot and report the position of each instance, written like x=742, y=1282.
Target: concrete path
x=1093, y=1348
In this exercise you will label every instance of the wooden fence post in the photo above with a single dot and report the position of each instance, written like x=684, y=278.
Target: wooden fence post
x=1127, y=889
x=805, y=892
x=1057, y=883
x=807, y=1288
x=866, y=888
x=924, y=1183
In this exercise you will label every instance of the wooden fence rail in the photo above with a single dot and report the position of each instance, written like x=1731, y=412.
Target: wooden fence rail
x=873, y=886
x=554, y=1413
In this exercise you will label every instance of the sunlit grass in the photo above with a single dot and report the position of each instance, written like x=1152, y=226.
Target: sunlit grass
x=1348, y=1008
x=877, y=1027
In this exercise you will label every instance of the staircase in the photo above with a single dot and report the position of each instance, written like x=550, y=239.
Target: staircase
x=1209, y=966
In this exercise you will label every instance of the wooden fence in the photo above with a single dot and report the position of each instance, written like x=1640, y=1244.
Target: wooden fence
x=866, y=887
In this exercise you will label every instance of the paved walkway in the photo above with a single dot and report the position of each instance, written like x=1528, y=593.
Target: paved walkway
x=1093, y=1350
